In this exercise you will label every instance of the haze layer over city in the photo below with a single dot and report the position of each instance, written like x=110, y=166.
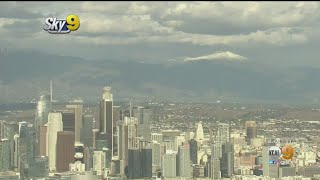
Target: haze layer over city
x=159, y=90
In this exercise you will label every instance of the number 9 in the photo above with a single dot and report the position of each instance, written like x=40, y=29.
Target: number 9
x=73, y=22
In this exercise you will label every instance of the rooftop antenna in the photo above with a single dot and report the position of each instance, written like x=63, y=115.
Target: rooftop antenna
x=51, y=93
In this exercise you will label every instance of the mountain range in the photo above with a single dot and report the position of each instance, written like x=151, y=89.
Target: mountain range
x=25, y=75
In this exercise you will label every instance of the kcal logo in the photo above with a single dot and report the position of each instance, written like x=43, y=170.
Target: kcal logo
x=62, y=26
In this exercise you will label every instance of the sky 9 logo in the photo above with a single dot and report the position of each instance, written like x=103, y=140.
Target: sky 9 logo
x=62, y=26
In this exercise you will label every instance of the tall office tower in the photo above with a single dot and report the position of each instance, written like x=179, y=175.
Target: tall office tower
x=86, y=131
x=116, y=118
x=227, y=161
x=106, y=116
x=65, y=150
x=224, y=132
x=157, y=137
x=184, y=166
x=7, y=132
x=178, y=141
x=88, y=158
x=215, y=172
x=251, y=130
x=193, y=151
x=78, y=112
x=16, y=157
x=144, y=119
x=99, y=162
x=169, y=167
x=27, y=149
x=199, y=132
x=44, y=106
x=43, y=140
x=5, y=153
x=68, y=119
x=54, y=126
x=146, y=162
x=134, y=163
x=156, y=154
x=217, y=149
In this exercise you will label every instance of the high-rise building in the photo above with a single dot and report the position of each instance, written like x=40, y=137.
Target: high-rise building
x=227, y=160
x=215, y=172
x=143, y=114
x=16, y=157
x=7, y=131
x=54, y=126
x=169, y=165
x=78, y=113
x=86, y=131
x=223, y=133
x=27, y=148
x=199, y=132
x=178, y=141
x=65, y=150
x=116, y=118
x=106, y=116
x=251, y=130
x=99, y=162
x=184, y=166
x=43, y=140
x=193, y=151
x=68, y=119
x=5, y=155
x=134, y=163
x=88, y=158
x=146, y=162
x=44, y=106
x=156, y=154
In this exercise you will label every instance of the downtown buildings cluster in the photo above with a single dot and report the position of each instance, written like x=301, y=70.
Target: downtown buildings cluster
x=72, y=142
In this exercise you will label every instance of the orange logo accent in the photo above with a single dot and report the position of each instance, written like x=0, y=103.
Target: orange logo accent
x=287, y=152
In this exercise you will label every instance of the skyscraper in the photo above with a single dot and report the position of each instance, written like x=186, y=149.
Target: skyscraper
x=169, y=165
x=78, y=113
x=134, y=163
x=143, y=114
x=199, y=132
x=224, y=132
x=5, y=155
x=184, y=166
x=43, y=140
x=106, y=115
x=86, y=131
x=65, y=150
x=54, y=126
x=44, y=106
x=99, y=162
x=146, y=162
x=227, y=160
x=27, y=148
x=156, y=154
x=251, y=130
x=193, y=151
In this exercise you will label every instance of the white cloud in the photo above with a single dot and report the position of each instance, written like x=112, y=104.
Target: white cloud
x=227, y=55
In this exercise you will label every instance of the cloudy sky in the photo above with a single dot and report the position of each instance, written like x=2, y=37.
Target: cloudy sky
x=273, y=33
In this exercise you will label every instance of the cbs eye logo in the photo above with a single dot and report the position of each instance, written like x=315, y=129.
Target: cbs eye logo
x=62, y=26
